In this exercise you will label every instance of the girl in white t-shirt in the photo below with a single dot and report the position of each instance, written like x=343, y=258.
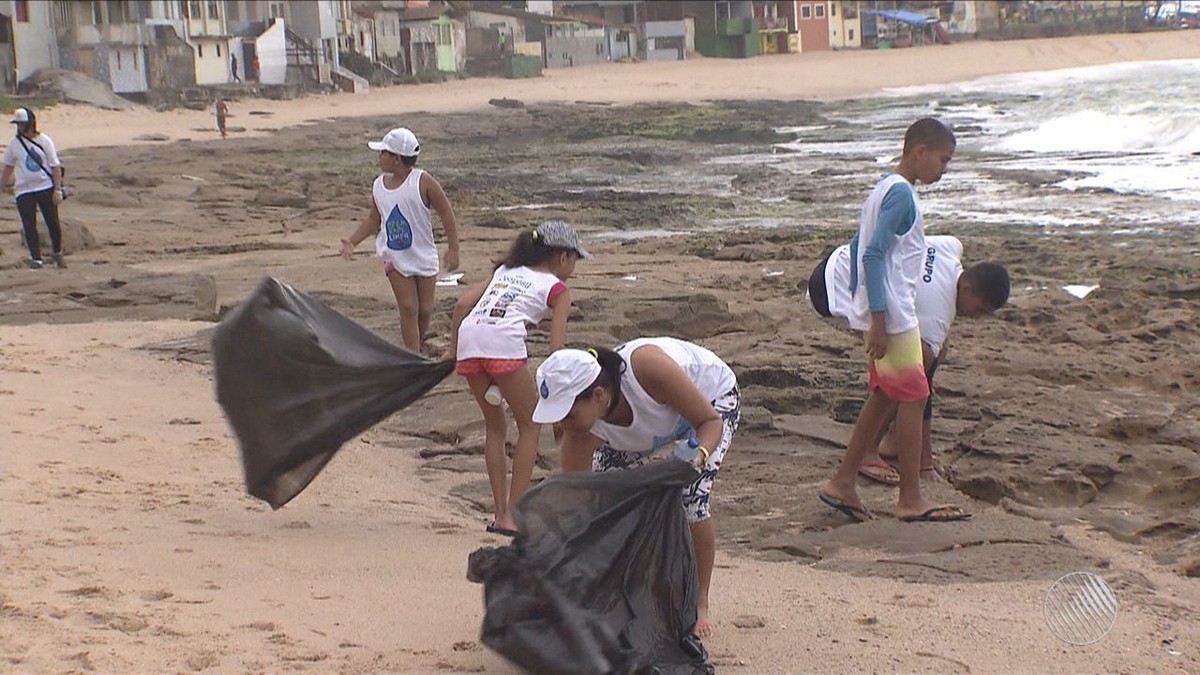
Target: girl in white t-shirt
x=487, y=338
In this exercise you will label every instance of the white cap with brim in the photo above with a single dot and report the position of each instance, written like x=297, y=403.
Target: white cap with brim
x=560, y=379
x=398, y=141
x=20, y=116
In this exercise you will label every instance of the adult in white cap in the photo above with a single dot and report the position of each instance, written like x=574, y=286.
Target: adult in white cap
x=402, y=199
x=619, y=408
x=32, y=155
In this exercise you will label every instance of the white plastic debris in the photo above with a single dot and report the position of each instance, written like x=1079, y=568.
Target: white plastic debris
x=449, y=279
x=1079, y=291
x=629, y=277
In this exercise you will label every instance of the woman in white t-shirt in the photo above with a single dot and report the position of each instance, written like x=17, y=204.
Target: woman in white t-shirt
x=487, y=338
x=32, y=155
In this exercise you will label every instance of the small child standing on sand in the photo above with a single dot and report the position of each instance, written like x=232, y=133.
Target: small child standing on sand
x=488, y=332
x=401, y=199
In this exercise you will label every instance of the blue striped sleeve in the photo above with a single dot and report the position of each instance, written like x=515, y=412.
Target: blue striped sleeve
x=897, y=213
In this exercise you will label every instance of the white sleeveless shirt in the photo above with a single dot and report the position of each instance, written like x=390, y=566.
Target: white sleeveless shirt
x=902, y=266
x=405, y=236
x=495, y=328
x=654, y=424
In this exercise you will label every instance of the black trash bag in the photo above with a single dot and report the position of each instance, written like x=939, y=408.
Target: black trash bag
x=297, y=379
x=601, y=578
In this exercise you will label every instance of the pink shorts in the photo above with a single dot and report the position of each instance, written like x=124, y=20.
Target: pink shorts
x=491, y=367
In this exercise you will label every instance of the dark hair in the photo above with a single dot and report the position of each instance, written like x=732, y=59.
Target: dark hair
x=990, y=282
x=612, y=365
x=527, y=250
x=929, y=132
x=408, y=161
x=31, y=124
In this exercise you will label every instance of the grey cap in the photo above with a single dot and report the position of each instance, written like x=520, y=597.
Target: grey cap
x=558, y=234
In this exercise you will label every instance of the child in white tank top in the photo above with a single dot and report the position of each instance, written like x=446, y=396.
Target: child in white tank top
x=401, y=200
x=488, y=331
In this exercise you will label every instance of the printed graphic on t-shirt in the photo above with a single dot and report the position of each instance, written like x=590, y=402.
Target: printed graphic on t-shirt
x=504, y=292
x=32, y=161
x=399, y=231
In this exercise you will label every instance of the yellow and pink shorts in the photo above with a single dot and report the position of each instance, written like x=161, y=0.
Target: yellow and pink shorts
x=900, y=374
x=493, y=367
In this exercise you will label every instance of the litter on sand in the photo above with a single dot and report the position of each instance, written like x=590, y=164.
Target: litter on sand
x=1079, y=290
x=449, y=279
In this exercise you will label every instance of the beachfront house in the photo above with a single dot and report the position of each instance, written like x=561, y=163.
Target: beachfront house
x=725, y=28
x=572, y=41
x=650, y=31
x=432, y=38
x=812, y=24
x=27, y=41
x=139, y=47
x=845, y=24
x=495, y=35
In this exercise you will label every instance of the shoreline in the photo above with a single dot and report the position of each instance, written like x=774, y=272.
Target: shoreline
x=822, y=76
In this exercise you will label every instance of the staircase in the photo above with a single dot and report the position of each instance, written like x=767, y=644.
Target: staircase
x=350, y=81
x=302, y=56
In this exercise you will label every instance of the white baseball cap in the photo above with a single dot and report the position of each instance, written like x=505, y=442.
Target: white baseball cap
x=20, y=116
x=399, y=141
x=560, y=379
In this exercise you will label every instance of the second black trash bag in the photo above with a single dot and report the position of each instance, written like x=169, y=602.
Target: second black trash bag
x=601, y=578
x=296, y=380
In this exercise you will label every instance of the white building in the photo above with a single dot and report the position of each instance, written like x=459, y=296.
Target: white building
x=27, y=41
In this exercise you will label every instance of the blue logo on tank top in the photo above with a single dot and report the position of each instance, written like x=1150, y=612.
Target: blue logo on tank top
x=399, y=232
x=682, y=427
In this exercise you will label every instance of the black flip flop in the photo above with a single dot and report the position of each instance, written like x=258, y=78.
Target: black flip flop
x=956, y=515
x=858, y=514
x=503, y=531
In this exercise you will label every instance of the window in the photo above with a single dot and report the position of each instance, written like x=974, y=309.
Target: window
x=443, y=34
x=833, y=9
x=200, y=51
x=805, y=11
x=21, y=10
x=118, y=59
x=218, y=49
x=194, y=9
x=820, y=11
x=212, y=10
x=851, y=32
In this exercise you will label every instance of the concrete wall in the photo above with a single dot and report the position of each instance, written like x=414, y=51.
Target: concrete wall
x=271, y=48
x=212, y=61
x=387, y=34
x=514, y=26
x=34, y=42
x=170, y=62
x=314, y=19
x=127, y=69
x=566, y=52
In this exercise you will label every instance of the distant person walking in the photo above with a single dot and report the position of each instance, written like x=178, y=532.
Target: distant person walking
x=38, y=184
x=222, y=113
x=233, y=68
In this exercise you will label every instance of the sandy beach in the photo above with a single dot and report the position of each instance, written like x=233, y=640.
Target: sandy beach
x=128, y=544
